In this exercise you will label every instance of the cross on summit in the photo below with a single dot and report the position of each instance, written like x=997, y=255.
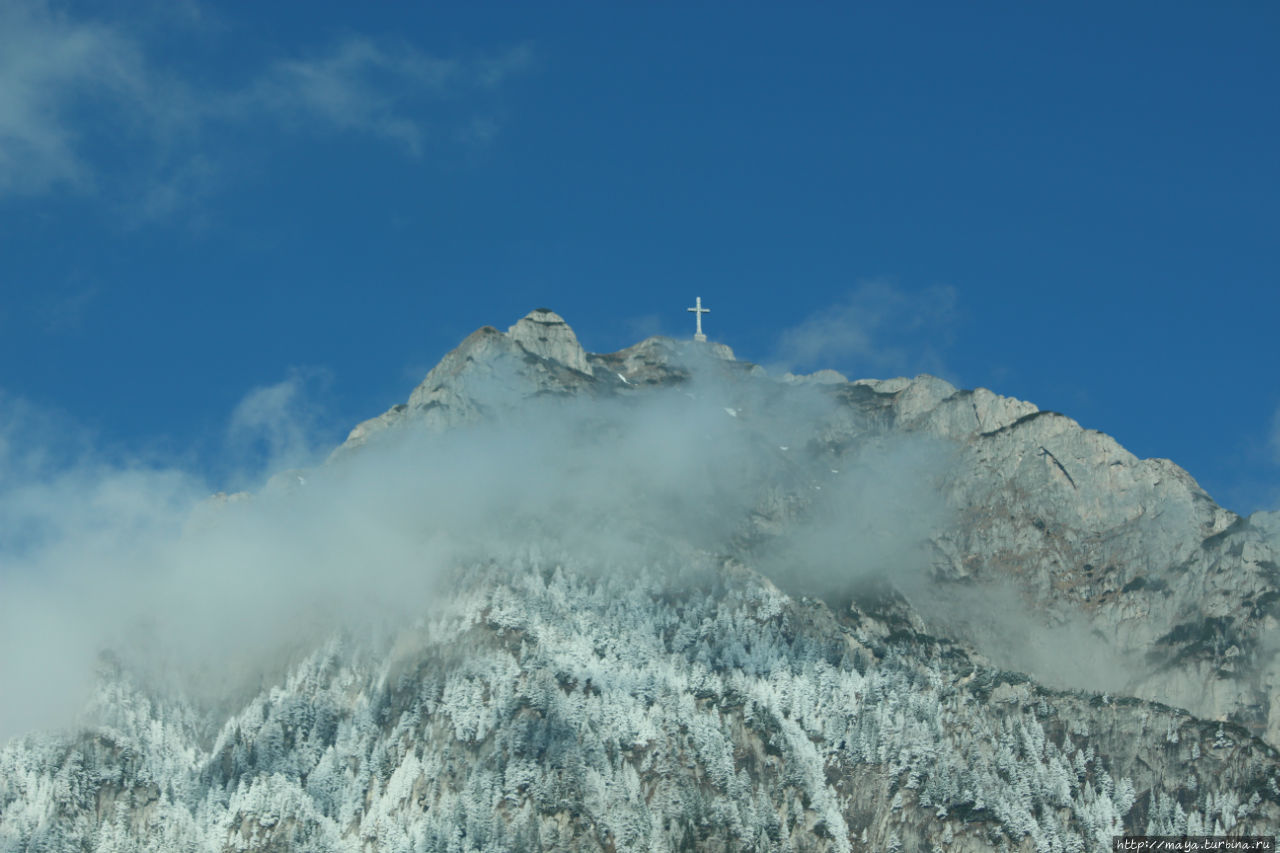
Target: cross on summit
x=698, y=311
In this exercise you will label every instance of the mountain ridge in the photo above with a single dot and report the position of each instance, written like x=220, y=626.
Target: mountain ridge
x=1119, y=489
x=686, y=605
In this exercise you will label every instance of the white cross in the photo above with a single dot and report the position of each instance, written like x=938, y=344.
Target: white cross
x=698, y=311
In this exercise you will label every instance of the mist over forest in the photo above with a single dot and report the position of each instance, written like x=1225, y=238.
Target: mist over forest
x=204, y=589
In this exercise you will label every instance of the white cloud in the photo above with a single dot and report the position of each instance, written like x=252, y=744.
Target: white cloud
x=86, y=106
x=51, y=68
x=360, y=85
x=99, y=554
x=879, y=330
x=276, y=424
x=381, y=89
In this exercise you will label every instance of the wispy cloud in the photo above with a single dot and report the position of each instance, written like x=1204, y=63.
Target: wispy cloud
x=357, y=86
x=880, y=329
x=493, y=71
x=277, y=424
x=1274, y=437
x=643, y=326
x=53, y=69
x=98, y=553
x=86, y=106
x=65, y=311
x=378, y=88
x=169, y=190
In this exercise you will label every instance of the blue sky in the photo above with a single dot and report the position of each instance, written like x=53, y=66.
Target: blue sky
x=213, y=214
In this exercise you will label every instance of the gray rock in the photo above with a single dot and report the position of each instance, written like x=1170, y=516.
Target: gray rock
x=1132, y=552
x=487, y=374
x=545, y=334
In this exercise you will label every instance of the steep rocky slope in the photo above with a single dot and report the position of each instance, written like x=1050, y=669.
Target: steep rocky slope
x=714, y=610
x=1177, y=594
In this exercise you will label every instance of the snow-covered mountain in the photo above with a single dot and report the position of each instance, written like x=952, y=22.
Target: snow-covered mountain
x=660, y=600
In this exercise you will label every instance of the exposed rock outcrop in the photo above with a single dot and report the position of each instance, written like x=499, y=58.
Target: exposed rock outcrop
x=491, y=372
x=545, y=334
x=1180, y=592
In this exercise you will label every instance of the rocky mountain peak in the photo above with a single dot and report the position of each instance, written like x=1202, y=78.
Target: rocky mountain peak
x=491, y=371
x=488, y=372
x=544, y=333
x=678, y=603
x=1075, y=528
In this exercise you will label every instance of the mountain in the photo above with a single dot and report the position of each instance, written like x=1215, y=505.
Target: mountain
x=659, y=599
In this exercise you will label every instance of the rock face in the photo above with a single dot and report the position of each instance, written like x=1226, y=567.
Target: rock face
x=491, y=372
x=915, y=698
x=545, y=334
x=1181, y=591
